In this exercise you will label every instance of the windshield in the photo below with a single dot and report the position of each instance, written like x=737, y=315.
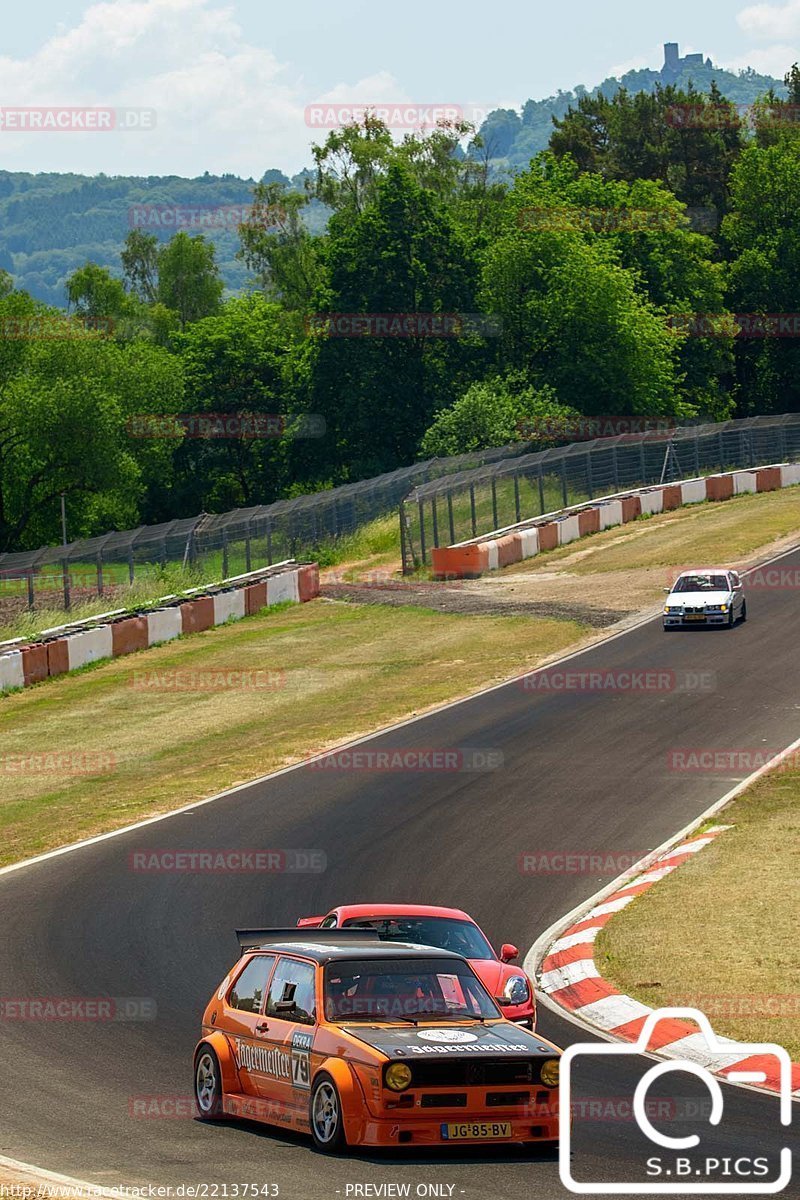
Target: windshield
x=405, y=989
x=445, y=933
x=702, y=583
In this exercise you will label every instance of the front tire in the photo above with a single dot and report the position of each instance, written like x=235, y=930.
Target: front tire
x=744, y=611
x=207, y=1084
x=325, y=1116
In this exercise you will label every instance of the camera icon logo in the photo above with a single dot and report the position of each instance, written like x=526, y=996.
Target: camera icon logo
x=687, y=1164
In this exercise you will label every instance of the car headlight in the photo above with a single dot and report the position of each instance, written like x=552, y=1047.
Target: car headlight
x=398, y=1076
x=516, y=990
x=549, y=1073
x=672, y=608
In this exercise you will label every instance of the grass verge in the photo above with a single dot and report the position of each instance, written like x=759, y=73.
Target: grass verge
x=720, y=934
x=137, y=744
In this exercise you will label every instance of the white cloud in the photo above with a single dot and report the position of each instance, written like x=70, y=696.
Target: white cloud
x=653, y=59
x=763, y=21
x=767, y=60
x=222, y=103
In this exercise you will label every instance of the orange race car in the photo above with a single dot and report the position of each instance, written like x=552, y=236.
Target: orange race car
x=362, y=1043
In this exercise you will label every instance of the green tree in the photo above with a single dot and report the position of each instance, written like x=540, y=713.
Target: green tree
x=189, y=282
x=277, y=246
x=494, y=412
x=140, y=263
x=401, y=255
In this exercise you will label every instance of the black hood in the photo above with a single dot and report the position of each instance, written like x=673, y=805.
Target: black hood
x=448, y=1040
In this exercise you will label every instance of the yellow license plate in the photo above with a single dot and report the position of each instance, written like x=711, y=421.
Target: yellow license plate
x=694, y=617
x=466, y=1131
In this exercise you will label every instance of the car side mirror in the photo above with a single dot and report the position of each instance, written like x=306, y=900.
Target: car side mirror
x=667, y=591
x=283, y=1006
x=508, y=952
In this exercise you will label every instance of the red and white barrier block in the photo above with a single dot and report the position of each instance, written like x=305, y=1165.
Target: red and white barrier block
x=110, y=636
x=469, y=560
x=569, y=976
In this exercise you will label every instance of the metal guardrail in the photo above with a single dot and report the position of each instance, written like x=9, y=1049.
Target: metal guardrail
x=469, y=504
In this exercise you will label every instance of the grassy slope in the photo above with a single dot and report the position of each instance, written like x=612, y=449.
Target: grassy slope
x=721, y=933
x=349, y=669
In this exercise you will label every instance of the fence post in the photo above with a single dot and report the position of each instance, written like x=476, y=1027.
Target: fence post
x=65, y=574
x=541, y=490
x=131, y=566
x=564, y=493
x=421, y=507
x=450, y=517
x=269, y=542
x=589, y=482
x=99, y=574
x=248, y=562
x=614, y=467
x=642, y=463
x=472, y=512
x=495, y=520
x=721, y=447
x=516, y=499
x=435, y=520
x=696, y=455
x=403, y=543
x=31, y=597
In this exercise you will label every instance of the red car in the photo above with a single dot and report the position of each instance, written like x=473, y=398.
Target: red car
x=445, y=929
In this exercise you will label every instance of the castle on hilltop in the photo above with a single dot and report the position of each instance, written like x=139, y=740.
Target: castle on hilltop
x=674, y=64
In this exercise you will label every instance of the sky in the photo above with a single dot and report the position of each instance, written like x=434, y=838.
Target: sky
x=236, y=85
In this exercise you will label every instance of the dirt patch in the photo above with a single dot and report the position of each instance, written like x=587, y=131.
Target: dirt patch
x=469, y=600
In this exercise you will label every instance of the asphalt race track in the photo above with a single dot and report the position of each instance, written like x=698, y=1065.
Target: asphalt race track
x=582, y=773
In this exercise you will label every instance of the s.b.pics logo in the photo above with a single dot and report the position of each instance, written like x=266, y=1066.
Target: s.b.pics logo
x=682, y=1137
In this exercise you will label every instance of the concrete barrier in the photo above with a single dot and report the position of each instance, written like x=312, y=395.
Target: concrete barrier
x=34, y=663
x=671, y=497
x=197, y=615
x=255, y=598
x=529, y=542
x=631, y=508
x=128, y=636
x=283, y=587
x=768, y=479
x=229, y=606
x=494, y=557
x=652, y=500
x=548, y=535
x=790, y=474
x=693, y=491
x=308, y=582
x=57, y=657
x=719, y=487
x=589, y=521
x=460, y=562
x=12, y=673
x=163, y=624
x=610, y=513
x=569, y=529
x=509, y=550
x=89, y=646
x=744, y=481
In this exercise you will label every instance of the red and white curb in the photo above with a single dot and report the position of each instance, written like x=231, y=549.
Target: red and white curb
x=569, y=978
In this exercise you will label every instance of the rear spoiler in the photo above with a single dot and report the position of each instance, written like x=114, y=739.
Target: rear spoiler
x=257, y=939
